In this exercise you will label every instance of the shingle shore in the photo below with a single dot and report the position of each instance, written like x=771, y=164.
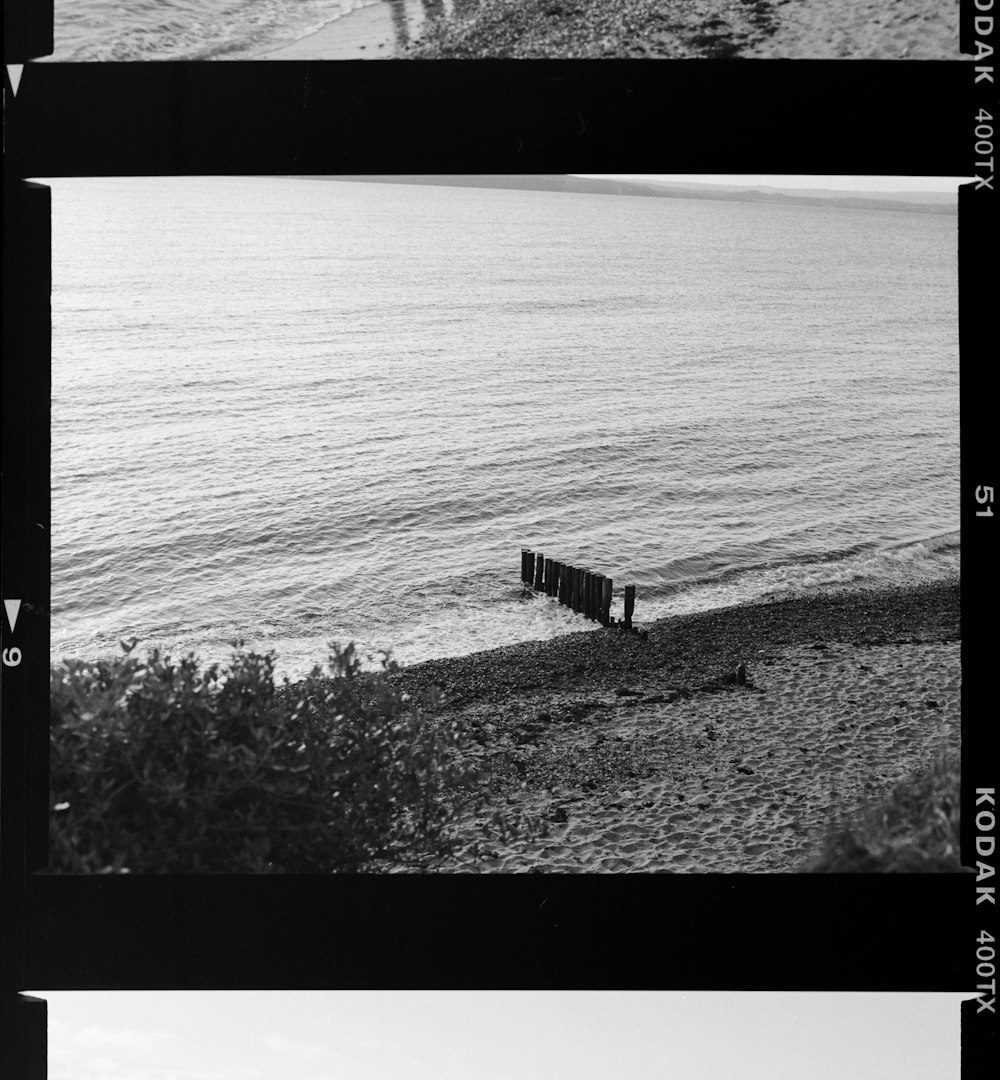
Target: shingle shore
x=580, y=29
x=634, y=754
x=686, y=653
x=639, y=755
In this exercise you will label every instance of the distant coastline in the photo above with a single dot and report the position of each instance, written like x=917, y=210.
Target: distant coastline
x=914, y=202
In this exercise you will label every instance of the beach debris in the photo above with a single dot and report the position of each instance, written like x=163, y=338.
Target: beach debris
x=741, y=673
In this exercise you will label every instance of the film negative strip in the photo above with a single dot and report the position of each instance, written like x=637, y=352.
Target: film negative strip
x=678, y=931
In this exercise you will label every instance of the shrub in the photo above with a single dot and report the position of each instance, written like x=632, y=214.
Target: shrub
x=164, y=766
x=915, y=829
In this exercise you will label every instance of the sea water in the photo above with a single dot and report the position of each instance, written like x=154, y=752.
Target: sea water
x=297, y=411
x=213, y=29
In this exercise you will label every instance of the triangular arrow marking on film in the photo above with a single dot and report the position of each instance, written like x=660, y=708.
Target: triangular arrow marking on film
x=14, y=74
x=13, y=607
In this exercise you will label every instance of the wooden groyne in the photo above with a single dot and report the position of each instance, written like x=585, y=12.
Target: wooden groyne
x=579, y=588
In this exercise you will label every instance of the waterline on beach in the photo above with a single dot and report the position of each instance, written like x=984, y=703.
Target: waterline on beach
x=301, y=641
x=95, y=30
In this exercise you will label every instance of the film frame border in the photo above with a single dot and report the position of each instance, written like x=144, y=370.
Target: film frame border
x=542, y=128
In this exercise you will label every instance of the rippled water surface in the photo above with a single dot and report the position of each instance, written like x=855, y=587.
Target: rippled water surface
x=296, y=411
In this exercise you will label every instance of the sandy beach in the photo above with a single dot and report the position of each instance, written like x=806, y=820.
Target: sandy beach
x=861, y=30
x=677, y=29
x=365, y=34
x=653, y=756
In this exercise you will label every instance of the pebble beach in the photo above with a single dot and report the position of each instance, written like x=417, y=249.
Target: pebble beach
x=694, y=29
x=660, y=755
x=654, y=29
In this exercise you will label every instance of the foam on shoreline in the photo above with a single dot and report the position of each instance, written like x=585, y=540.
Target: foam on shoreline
x=364, y=34
x=702, y=645
x=367, y=33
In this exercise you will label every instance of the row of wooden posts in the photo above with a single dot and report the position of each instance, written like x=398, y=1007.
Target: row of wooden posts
x=578, y=588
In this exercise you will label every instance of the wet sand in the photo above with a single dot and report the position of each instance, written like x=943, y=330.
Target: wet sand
x=365, y=34
x=653, y=756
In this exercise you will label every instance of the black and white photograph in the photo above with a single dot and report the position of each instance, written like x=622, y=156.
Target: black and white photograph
x=498, y=554
x=96, y=30
x=505, y=524
x=426, y=1035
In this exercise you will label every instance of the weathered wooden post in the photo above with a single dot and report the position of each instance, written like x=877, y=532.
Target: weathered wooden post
x=580, y=589
x=629, y=605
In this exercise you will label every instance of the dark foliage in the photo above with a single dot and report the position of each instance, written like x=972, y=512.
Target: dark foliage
x=165, y=766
